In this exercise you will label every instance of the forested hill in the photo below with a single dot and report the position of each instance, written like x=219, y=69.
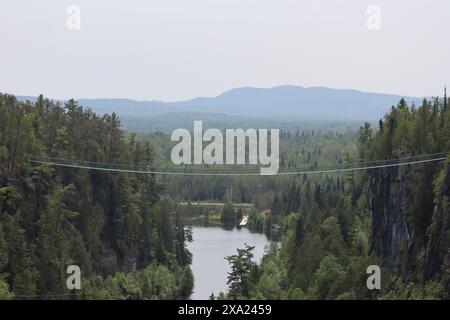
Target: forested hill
x=397, y=218
x=118, y=228
x=287, y=101
x=286, y=107
x=122, y=231
x=410, y=205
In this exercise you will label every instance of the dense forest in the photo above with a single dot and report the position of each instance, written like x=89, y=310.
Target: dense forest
x=395, y=217
x=299, y=150
x=128, y=237
x=120, y=229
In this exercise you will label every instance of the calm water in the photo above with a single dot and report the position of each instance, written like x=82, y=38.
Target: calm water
x=210, y=246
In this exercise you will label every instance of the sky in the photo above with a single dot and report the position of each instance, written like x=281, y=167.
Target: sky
x=179, y=49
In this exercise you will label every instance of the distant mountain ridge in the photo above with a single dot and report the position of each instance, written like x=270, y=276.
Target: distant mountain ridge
x=282, y=103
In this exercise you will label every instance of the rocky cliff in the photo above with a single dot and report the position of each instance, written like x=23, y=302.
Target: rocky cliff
x=410, y=216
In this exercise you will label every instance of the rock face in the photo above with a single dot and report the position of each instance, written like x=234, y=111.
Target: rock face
x=387, y=200
x=393, y=192
x=438, y=246
x=434, y=246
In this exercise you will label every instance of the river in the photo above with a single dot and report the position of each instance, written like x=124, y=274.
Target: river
x=211, y=244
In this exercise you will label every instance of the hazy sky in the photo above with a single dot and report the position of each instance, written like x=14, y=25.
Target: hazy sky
x=179, y=49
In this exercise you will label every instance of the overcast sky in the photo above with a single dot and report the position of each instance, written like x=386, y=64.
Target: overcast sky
x=179, y=49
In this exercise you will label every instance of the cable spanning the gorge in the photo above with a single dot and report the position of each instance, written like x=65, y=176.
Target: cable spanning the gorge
x=128, y=168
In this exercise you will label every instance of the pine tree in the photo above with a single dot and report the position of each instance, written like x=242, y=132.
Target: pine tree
x=241, y=267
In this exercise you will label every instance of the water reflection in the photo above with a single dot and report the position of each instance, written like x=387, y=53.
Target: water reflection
x=211, y=244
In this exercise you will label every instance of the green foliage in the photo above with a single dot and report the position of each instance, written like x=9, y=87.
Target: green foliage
x=228, y=215
x=131, y=243
x=154, y=282
x=241, y=266
x=5, y=294
x=299, y=150
x=329, y=279
x=325, y=241
x=399, y=290
x=3, y=250
x=116, y=227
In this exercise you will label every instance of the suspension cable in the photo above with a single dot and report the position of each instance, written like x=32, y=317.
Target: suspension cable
x=127, y=168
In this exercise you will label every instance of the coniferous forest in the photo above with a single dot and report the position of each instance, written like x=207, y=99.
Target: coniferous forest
x=129, y=239
x=118, y=228
x=395, y=217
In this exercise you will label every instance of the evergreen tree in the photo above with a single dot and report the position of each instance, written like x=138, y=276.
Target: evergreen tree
x=241, y=266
